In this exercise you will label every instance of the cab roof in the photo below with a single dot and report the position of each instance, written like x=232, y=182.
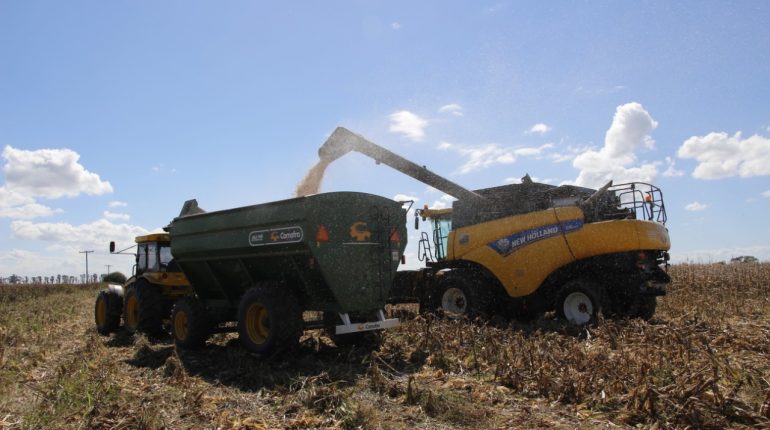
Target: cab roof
x=155, y=237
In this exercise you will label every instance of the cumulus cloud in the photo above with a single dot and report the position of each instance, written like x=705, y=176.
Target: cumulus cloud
x=116, y=216
x=766, y=194
x=94, y=234
x=539, y=128
x=405, y=198
x=452, y=109
x=672, y=171
x=629, y=132
x=408, y=124
x=50, y=173
x=722, y=156
x=117, y=204
x=696, y=206
x=444, y=202
x=20, y=206
x=490, y=154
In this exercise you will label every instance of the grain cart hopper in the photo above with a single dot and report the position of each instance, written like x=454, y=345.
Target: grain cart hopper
x=146, y=298
x=264, y=265
x=527, y=248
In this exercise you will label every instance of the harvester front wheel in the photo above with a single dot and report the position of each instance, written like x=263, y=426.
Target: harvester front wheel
x=579, y=302
x=459, y=295
x=269, y=316
x=190, y=325
x=107, y=312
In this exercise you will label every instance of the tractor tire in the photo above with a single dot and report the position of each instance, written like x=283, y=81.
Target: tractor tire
x=107, y=312
x=579, y=302
x=269, y=317
x=460, y=296
x=143, y=308
x=190, y=324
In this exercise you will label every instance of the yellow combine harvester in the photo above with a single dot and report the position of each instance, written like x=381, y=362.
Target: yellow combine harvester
x=145, y=300
x=528, y=248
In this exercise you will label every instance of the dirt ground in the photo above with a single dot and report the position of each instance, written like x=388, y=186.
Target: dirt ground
x=703, y=361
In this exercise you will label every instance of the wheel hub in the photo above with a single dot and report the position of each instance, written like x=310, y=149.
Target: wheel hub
x=578, y=308
x=454, y=301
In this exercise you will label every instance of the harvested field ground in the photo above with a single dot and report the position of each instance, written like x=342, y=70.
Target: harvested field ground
x=702, y=362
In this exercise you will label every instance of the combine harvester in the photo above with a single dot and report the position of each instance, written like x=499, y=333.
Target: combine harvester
x=528, y=248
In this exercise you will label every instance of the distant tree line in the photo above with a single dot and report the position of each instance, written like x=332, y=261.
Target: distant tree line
x=116, y=277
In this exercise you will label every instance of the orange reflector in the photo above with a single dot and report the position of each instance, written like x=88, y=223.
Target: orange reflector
x=648, y=198
x=322, y=235
x=394, y=236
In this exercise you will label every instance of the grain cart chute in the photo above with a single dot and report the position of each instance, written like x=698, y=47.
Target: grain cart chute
x=264, y=265
x=145, y=300
x=527, y=248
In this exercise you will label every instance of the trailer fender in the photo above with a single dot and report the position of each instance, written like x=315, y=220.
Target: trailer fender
x=115, y=288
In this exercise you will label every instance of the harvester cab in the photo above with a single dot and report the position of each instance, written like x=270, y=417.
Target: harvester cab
x=528, y=248
x=145, y=300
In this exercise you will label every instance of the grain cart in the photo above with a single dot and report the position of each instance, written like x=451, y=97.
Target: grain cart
x=145, y=300
x=527, y=248
x=264, y=265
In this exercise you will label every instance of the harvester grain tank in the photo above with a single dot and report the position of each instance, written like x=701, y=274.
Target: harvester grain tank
x=527, y=248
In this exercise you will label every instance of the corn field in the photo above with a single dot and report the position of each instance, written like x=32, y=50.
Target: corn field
x=703, y=361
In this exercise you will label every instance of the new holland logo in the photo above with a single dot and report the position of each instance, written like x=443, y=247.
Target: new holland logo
x=276, y=236
x=507, y=245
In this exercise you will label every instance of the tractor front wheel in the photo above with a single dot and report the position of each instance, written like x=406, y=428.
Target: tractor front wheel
x=143, y=308
x=269, y=316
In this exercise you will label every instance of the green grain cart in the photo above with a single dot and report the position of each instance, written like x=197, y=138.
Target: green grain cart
x=263, y=266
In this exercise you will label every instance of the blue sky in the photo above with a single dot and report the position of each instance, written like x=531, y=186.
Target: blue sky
x=112, y=114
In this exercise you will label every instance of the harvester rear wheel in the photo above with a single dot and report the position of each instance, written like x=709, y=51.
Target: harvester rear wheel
x=107, y=312
x=579, y=302
x=190, y=325
x=269, y=316
x=459, y=295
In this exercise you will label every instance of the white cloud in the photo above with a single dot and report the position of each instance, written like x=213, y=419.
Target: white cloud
x=404, y=198
x=444, y=202
x=116, y=216
x=696, y=206
x=452, y=109
x=539, y=128
x=50, y=173
x=117, y=204
x=395, y=25
x=672, y=171
x=19, y=206
x=629, y=132
x=408, y=124
x=722, y=156
x=95, y=234
x=766, y=194
x=488, y=155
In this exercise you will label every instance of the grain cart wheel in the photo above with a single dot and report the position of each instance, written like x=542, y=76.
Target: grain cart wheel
x=143, y=308
x=458, y=295
x=107, y=312
x=579, y=302
x=190, y=325
x=269, y=316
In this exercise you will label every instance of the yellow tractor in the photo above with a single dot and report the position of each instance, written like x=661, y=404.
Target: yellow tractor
x=146, y=299
x=523, y=249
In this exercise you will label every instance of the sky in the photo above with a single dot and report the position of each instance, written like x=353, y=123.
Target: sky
x=112, y=114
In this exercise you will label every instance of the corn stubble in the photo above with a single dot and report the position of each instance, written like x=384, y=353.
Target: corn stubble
x=703, y=361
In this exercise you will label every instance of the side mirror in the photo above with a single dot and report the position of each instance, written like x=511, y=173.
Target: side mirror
x=112, y=247
x=416, y=222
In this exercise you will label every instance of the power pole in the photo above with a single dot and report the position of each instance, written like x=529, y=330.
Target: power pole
x=86, y=253
x=108, y=268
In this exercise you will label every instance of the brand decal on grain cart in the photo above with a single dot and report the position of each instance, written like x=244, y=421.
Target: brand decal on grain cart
x=276, y=236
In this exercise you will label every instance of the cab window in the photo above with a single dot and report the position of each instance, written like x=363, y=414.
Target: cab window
x=152, y=257
x=165, y=255
x=141, y=258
